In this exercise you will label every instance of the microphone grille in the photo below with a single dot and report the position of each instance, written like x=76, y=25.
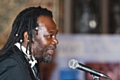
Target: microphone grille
x=73, y=63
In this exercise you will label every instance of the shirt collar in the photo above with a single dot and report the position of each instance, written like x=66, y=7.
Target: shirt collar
x=23, y=49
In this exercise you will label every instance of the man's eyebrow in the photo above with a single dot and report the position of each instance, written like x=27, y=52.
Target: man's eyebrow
x=53, y=31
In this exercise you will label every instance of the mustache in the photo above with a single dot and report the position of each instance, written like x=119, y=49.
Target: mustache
x=51, y=47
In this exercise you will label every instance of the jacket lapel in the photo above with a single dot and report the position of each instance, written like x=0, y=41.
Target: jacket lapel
x=24, y=62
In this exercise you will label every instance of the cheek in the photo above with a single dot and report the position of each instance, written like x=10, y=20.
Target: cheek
x=44, y=42
x=37, y=50
x=39, y=46
x=40, y=43
x=48, y=41
x=41, y=40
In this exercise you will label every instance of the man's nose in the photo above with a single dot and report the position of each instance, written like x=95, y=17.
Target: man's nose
x=55, y=41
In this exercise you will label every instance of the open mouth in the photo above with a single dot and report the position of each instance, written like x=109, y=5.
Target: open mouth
x=50, y=51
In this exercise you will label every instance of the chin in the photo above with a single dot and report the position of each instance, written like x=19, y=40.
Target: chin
x=47, y=59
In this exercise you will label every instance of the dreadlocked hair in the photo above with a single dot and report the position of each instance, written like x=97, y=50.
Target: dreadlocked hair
x=25, y=21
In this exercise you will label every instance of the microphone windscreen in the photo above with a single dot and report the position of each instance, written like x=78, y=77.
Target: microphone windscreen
x=73, y=63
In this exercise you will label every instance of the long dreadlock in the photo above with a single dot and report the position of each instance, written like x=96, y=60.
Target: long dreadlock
x=25, y=21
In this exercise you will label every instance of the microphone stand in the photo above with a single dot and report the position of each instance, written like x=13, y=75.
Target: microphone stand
x=95, y=77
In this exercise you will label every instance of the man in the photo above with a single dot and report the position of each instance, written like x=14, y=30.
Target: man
x=32, y=39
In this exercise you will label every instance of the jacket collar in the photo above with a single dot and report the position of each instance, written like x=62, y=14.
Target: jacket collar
x=28, y=56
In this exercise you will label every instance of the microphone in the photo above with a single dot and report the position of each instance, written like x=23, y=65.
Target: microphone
x=75, y=65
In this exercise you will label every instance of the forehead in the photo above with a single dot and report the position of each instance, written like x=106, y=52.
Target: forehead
x=48, y=23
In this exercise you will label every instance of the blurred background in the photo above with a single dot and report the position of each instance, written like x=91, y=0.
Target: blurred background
x=88, y=31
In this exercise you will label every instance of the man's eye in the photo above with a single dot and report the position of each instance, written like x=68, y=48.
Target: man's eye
x=49, y=36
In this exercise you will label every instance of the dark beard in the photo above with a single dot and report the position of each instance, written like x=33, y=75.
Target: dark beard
x=46, y=59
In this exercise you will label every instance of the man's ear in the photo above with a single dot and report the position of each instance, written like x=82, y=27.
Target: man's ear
x=25, y=36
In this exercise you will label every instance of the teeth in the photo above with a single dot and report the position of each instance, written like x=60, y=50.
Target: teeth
x=50, y=51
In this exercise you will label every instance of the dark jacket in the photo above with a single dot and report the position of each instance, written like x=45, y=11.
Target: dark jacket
x=14, y=66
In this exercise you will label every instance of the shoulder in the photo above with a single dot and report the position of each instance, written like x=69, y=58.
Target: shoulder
x=11, y=55
x=7, y=62
x=8, y=57
x=12, y=68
